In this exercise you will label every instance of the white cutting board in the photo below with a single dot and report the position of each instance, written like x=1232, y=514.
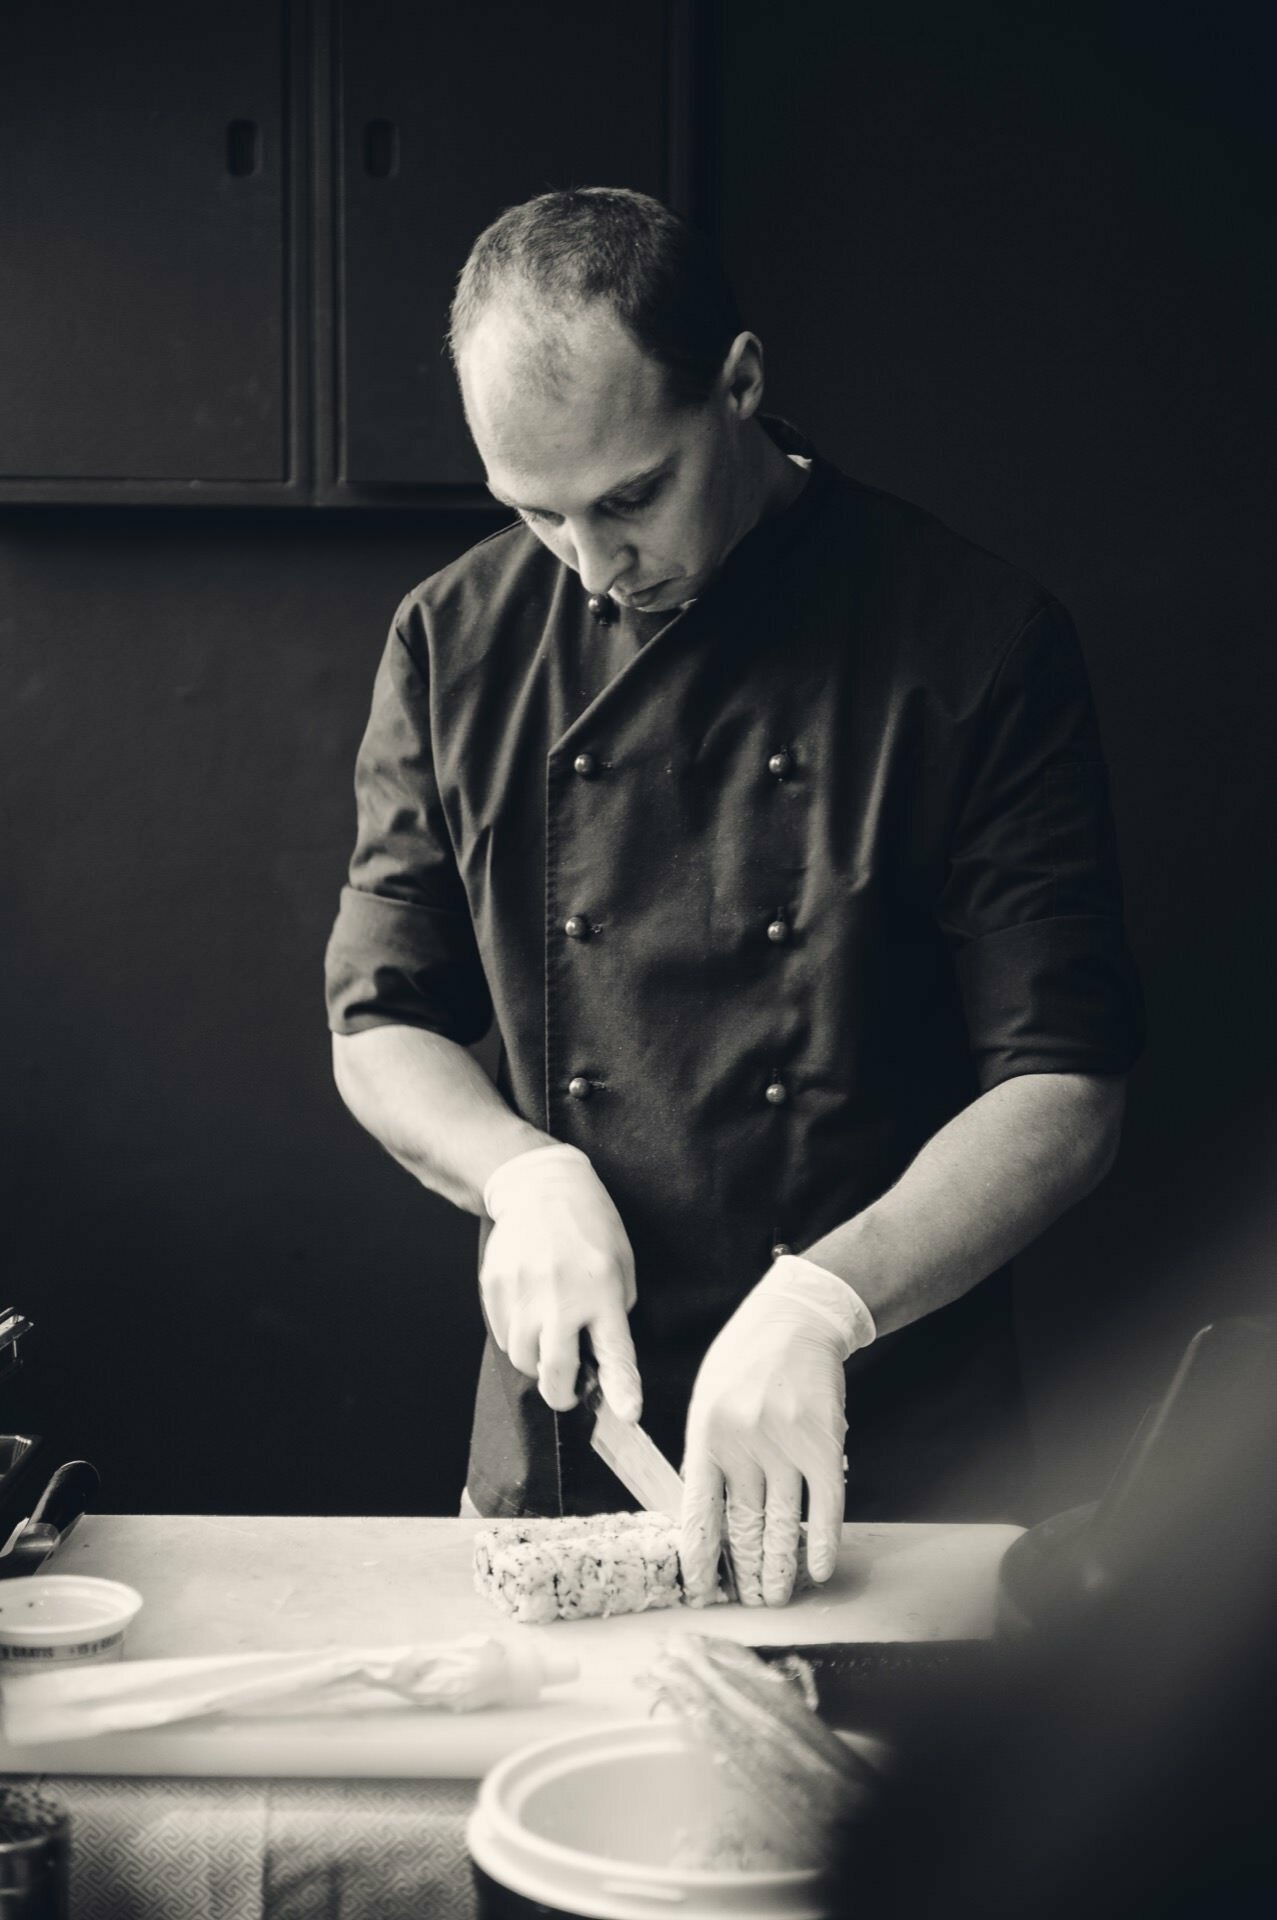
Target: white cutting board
x=215, y=1585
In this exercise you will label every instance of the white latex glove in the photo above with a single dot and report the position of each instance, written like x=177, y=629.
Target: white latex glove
x=558, y=1263
x=768, y=1412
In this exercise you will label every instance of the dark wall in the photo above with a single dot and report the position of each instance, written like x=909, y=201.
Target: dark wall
x=1016, y=271
x=1015, y=262
x=244, y=1304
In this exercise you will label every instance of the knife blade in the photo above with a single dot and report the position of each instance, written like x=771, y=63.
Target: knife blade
x=638, y=1462
x=633, y=1455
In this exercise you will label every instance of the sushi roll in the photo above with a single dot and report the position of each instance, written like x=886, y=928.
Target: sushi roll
x=579, y=1568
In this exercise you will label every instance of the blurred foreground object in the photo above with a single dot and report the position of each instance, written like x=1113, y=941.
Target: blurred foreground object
x=1204, y=1453
x=34, y=1848
x=1119, y=1760
x=758, y=1723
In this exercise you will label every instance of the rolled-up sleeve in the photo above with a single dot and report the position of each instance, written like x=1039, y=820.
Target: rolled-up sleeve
x=403, y=951
x=1032, y=904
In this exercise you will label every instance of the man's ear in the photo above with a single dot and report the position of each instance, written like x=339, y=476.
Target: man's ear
x=741, y=379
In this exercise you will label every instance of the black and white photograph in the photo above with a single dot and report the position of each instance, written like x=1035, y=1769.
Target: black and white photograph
x=639, y=1046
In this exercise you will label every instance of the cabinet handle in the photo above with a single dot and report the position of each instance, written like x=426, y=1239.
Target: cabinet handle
x=243, y=148
x=381, y=149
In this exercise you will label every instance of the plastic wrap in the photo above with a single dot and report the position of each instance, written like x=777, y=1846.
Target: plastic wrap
x=457, y=1676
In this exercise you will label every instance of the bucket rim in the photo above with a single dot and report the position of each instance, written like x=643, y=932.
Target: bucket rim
x=551, y=1853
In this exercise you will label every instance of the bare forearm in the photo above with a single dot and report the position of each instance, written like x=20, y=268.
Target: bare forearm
x=432, y=1108
x=984, y=1187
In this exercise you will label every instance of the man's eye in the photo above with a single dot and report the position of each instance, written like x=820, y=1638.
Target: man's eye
x=631, y=503
x=634, y=503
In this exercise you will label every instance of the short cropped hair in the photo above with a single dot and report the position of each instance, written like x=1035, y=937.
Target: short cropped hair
x=559, y=253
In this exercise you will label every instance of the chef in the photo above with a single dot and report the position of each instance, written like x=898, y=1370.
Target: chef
x=768, y=819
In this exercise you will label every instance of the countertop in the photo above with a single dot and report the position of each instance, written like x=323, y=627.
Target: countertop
x=236, y=1584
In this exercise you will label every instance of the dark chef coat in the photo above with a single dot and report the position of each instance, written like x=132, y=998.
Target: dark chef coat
x=761, y=894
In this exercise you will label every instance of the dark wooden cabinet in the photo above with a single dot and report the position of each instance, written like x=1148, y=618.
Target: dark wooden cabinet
x=144, y=329
x=229, y=230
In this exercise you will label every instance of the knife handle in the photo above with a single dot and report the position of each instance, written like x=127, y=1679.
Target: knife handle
x=588, y=1388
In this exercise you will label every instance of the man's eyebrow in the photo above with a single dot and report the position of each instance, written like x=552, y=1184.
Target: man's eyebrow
x=628, y=485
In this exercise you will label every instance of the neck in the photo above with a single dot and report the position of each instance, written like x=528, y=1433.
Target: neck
x=772, y=481
x=767, y=482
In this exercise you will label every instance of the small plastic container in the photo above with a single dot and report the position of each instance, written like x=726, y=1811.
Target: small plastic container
x=63, y=1619
x=583, y=1827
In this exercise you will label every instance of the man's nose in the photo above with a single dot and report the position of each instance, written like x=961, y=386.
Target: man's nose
x=601, y=560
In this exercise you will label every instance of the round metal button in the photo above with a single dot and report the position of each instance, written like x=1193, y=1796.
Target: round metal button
x=579, y=1087
x=577, y=927
x=781, y=763
x=777, y=1093
x=781, y=1248
x=778, y=932
x=586, y=765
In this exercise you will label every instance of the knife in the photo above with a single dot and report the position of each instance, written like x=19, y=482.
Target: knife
x=637, y=1461
x=54, y=1515
x=633, y=1455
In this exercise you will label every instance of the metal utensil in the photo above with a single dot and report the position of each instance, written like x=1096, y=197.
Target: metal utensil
x=633, y=1455
x=53, y=1517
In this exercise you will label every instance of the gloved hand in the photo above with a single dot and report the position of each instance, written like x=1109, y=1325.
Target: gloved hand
x=768, y=1412
x=558, y=1262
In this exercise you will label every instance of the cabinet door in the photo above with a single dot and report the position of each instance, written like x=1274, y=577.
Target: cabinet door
x=447, y=114
x=142, y=291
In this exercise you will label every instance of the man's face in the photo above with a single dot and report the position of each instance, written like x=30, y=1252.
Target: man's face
x=641, y=498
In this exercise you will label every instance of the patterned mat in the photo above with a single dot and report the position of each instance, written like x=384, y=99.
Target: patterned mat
x=247, y=1849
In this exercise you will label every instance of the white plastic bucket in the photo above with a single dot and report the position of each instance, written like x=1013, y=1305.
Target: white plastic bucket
x=584, y=1826
x=55, y=1619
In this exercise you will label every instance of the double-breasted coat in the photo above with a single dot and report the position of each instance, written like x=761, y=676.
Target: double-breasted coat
x=759, y=895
